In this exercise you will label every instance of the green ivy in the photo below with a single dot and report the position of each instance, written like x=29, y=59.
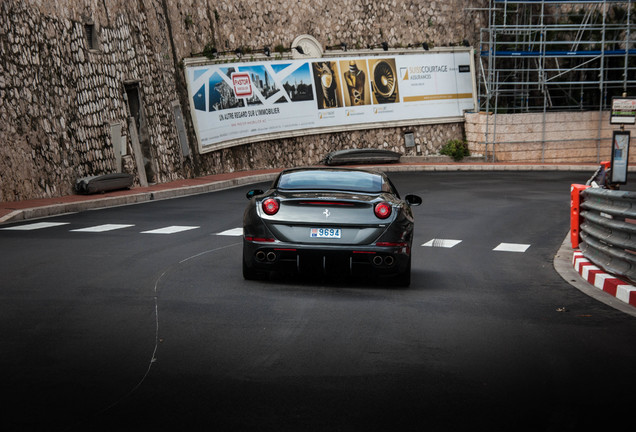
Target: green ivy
x=457, y=149
x=208, y=50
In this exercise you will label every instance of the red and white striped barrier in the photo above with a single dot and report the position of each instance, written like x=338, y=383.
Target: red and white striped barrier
x=603, y=280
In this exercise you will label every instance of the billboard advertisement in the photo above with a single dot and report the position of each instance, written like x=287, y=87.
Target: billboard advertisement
x=235, y=103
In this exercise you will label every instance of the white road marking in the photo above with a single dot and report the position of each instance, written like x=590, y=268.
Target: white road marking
x=512, y=247
x=35, y=226
x=103, y=228
x=236, y=232
x=232, y=232
x=445, y=243
x=170, y=230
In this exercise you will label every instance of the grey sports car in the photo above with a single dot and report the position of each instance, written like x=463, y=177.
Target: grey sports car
x=337, y=221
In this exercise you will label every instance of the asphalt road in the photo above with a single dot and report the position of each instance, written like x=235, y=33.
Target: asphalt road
x=121, y=327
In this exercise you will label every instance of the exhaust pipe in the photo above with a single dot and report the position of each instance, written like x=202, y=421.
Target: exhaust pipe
x=271, y=256
x=260, y=256
x=388, y=260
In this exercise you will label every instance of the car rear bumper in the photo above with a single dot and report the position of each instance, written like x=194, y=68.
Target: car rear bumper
x=326, y=259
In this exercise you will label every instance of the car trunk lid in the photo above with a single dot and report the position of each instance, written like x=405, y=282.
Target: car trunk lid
x=349, y=217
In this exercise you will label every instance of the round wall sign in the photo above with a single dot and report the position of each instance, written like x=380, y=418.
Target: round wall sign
x=309, y=45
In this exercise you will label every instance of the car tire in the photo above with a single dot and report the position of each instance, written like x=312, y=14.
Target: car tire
x=248, y=273
x=404, y=279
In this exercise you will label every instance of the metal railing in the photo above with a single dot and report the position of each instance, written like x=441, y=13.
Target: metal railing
x=608, y=230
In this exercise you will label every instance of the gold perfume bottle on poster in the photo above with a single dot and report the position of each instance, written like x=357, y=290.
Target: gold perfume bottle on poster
x=328, y=97
x=354, y=78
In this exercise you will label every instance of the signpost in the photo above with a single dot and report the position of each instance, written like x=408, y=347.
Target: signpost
x=620, y=157
x=623, y=112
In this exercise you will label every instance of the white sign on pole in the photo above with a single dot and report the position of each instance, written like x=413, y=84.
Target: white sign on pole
x=623, y=110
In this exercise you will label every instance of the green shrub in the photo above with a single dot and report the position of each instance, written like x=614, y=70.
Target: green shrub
x=457, y=149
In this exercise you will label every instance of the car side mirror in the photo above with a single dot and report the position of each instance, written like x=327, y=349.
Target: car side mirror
x=413, y=200
x=253, y=193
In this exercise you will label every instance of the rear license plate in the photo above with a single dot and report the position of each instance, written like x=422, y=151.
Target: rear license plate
x=325, y=233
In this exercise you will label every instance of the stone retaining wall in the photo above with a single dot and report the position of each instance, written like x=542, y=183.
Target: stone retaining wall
x=61, y=98
x=312, y=149
x=559, y=137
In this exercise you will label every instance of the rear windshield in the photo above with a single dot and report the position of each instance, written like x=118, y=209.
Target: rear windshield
x=332, y=180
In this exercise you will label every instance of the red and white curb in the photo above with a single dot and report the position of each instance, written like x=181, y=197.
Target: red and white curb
x=602, y=280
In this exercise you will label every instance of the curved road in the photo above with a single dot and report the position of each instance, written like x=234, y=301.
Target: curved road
x=137, y=318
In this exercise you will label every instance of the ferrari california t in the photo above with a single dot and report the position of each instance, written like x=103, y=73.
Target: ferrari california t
x=336, y=221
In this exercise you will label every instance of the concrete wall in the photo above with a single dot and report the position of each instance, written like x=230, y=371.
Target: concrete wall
x=559, y=137
x=60, y=99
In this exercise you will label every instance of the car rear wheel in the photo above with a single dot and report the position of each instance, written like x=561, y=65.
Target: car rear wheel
x=248, y=273
x=404, y=279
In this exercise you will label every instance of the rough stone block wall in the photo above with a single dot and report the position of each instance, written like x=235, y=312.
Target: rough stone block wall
x=312, y=149
x=59, y=96
x=559, y=137
x=354, y=22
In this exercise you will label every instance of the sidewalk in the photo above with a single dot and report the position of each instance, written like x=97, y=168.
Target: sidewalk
x=38, y=208
x=43, y=207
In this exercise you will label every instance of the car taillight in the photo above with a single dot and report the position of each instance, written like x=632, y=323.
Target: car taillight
x=270, y=206
x=260, y=239
x=382, y=210
x=392, y=244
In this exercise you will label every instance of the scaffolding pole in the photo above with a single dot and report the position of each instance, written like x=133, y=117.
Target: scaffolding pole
x=554, y=55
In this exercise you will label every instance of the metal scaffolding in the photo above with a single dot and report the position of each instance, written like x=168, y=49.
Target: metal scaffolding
x=556, y=55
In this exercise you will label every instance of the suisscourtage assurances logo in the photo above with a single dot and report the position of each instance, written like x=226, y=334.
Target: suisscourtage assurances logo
x=421, y=72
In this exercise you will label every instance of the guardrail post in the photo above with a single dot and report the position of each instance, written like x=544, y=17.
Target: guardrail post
x=575, y=213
